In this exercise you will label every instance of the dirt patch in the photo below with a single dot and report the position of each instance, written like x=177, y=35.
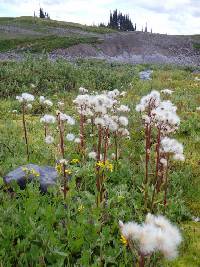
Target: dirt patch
x=137, y=47
x=127, y=47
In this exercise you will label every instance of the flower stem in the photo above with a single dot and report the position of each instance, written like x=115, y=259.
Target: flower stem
x=141, y=260
x=166, y=184
x=65, y=181
x=105, y=144
x=61, y=130
x=82, y=132
x=116, y=147
x=45, y=130
x=98, y=178
x=25, y=130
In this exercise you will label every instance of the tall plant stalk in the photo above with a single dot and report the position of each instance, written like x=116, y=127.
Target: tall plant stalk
x=141, y=260
x=25, y=130
x=166, y=184
x=82, y=132
x=157, y=177
x=98, y=178
x=62, y=149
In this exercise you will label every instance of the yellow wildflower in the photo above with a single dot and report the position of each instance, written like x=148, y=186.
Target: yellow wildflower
x=109, y=166
x=58, y=168
x=34, y=172
x=120, y=197
x=100, y=164
x=81, y=208
x=74, y=161
x=68, y=171
x=124, y=240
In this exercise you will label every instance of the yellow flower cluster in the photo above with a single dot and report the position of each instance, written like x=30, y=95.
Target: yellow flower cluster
x=75, y=161
x=81, y=208
x=124, y=240
x=68, y=171
x=108, y=166
x=58, y=168
x=30, y=171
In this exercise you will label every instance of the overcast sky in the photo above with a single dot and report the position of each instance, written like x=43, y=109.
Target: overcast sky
x=163, y=16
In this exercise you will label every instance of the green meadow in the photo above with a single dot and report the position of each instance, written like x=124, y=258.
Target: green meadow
x=49, y=230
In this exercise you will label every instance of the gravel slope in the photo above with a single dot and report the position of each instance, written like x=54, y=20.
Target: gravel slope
x=128, y=47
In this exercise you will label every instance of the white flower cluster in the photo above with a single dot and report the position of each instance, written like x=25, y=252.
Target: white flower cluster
x=155, y=234
x=45, y=102
x=149, y=102
x=104, y=110
x=167, y=91
x=25, y=97
x=82, y=90
x=48, y=119
x=173, y=147
x=70, y=137
x=49, y=139
x=162, y=114
x=165, y=117
x=66, y=118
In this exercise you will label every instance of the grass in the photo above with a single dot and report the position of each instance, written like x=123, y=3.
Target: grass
x=35, y=34
x=196, y=45
x=40, y=44
x=40, y=24
x=42, y=230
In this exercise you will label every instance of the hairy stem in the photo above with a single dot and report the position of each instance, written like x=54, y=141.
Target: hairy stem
x=116, y=147
x=25, y=130
x=166, y=184
x=141, y=260
x=99, y=157
x=61, y=131
x=82, y=131
x=105, y=145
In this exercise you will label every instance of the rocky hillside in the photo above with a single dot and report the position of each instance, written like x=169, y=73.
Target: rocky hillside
x=72, y=41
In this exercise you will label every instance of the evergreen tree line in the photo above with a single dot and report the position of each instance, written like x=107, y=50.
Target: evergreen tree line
x=119, y=21
x=43, y=15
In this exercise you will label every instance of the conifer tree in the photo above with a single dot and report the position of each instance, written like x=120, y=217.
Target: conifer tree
x=42, y=15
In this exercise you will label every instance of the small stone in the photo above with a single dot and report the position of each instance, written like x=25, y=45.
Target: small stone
x=46, y=175
x=145, y=75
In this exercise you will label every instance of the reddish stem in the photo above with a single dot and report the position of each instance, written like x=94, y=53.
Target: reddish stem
x=147, y=149
x=45, y=130
x=99, y=157
x=25, y=130
x=105, y=144
x=65, y=181
x=166, y=184
x=60, y=126
x=82, y=130
x=116, y=147
x=157, y=154
x=141, y=260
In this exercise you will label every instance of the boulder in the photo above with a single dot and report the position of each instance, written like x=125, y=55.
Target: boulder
x=145, y=75
x=46, y=175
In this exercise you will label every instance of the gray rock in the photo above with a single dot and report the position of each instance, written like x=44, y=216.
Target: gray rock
x=196, y=72
x=195, y=219
x=47, y=176
x=145, y=75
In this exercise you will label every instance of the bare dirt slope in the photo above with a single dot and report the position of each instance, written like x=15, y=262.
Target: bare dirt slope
x=138, y=47
x=129, y=47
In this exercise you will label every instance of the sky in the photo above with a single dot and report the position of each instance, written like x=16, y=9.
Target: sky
x=163, y=16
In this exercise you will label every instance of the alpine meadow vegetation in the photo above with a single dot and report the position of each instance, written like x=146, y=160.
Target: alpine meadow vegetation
x=127, y=156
